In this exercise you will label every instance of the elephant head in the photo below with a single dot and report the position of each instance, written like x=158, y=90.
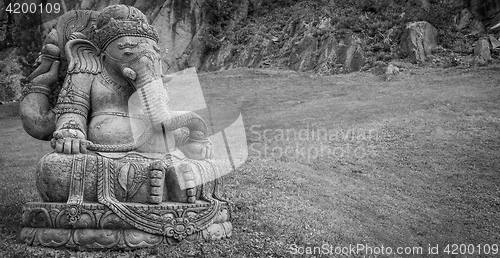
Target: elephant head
x=130, y=52
x=137, y=61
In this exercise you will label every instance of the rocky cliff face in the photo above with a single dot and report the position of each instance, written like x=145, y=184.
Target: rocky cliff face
x=301, y=46
x=179, y=23
x=184, y=28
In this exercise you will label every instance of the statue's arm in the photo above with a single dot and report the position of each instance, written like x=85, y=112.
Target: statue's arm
x=72, y=110
x=73, y=104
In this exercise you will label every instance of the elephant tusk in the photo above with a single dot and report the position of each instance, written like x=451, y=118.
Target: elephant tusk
x=129, y=73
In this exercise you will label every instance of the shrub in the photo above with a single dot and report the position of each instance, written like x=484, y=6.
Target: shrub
x=27, y=36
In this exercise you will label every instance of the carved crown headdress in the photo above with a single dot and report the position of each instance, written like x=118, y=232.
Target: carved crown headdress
x=118, y=21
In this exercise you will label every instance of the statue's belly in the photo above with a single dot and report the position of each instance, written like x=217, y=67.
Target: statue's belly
x=108, y=129
x=113, y=130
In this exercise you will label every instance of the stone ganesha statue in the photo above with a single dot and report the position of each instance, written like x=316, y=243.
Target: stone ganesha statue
x=127, y=171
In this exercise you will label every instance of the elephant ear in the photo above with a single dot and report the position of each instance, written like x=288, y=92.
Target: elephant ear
x=83, y=57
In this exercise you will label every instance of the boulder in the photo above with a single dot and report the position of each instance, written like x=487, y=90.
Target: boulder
x=495, y=43
x=391, y=71
x=419, y=39
x=476, y=27
x=464, y=20
x=482, y=51
x=351, y=54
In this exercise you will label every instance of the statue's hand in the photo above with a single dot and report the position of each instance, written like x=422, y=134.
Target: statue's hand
x=198, y=149
x=69, y=141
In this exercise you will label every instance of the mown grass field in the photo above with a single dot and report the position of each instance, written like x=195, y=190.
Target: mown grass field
x=409, y=162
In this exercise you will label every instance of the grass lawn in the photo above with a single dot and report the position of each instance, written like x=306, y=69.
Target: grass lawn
x=334, y=161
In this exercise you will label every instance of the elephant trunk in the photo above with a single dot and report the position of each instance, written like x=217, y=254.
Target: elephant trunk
x=155, y=101
x=196, y=125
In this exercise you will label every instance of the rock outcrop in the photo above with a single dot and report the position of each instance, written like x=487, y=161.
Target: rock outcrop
x=487, y=11
x=482, y=50
x=466, y=20
x=231, y=56
x=495, y=43
x=302, y=47
x=419, y=39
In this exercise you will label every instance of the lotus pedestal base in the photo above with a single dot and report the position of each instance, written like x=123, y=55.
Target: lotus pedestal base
x=98, y=228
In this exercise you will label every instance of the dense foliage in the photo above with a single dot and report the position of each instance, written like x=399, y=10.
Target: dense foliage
x=27, y=37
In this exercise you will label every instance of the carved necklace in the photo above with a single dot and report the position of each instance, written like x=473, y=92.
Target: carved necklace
x=114, y=86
